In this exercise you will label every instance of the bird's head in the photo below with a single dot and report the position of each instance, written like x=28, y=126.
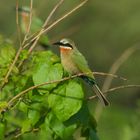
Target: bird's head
x=24, y=10
x=65, y=44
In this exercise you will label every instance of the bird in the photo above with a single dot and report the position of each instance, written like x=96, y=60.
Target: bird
x=74, y=63
x=36, y=24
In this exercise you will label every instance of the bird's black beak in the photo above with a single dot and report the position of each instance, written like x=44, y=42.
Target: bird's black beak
x=58, y=43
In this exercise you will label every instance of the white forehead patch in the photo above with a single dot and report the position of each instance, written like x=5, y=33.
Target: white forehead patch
x=64, y=41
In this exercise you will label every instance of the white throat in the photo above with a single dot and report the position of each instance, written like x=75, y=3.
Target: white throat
x=67, y=48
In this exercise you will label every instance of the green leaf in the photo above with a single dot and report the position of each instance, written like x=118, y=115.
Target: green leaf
x=33, y=116
x=23, y=55
x=84, y=117
x=26, y=125
x=46, y=70
x=7, y=52
x=23, y=107
x=45, y=132
x=59, y=129
x=65, y=101
x=2, y=130
x=3, y=105
x=48, y=73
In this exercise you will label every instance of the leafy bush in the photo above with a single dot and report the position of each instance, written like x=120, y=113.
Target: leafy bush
x=54, y=111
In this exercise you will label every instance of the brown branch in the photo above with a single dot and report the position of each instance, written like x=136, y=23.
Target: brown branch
x=115, y=88
x=63, y=17
x=29, y=131
x=44, y=25
x=20, y=48
x=114, y=68
x=66, y=33
x=17, y=23
x=42, y=31
x=29, y=25
x=110, y=75
x=30, y=20
x=59, y=20
x=11, y=68
x=52, y=13
x=13, y=132
x=121, y=87
x=52, y=82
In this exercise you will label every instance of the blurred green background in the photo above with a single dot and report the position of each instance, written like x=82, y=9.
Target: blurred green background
x=102, y=30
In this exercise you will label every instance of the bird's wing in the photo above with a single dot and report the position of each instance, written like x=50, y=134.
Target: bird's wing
x=81, y=63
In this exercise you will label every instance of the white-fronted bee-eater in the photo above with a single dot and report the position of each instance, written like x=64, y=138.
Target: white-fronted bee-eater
x=74, y=63
x=36, y=24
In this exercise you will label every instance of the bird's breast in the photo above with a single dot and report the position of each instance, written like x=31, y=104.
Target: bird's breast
x=68, y=63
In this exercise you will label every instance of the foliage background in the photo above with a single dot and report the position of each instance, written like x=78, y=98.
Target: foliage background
x=103, y=30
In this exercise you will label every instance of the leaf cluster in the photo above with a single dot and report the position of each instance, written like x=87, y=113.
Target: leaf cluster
x=53, y=111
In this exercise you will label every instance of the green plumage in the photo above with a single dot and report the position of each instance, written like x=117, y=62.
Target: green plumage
x=81, y=63
x=74, y=62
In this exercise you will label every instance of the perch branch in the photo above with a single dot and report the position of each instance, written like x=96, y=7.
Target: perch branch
x=52, y=82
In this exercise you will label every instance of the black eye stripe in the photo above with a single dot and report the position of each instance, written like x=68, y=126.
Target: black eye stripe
x=63, y=44
x=68, y=45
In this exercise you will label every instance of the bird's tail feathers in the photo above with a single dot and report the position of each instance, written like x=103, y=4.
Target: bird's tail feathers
x=96, y=89
x=100, y=95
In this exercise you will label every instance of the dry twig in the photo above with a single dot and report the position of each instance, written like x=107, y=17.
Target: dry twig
x=29, y=25
x=20, y=48
x=114, y=68
x=58, y=20
x=17, y=23
x=44, y=30
x=52, y=13
x=115, y=88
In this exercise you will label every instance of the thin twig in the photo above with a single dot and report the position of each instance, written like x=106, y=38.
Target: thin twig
x=11, y=68
x=114, y=68
x=42, y=31
x=44, y=25
x=29, y=131
x=110, y=75
x=115, y=88
x=17, y=23
x=52, y=13
x=29, y=25
x=52, y=82
x=57, y=21
x=30, y=17
x=66, y=15
x=13, y=132
x=66, y=33
x=20, y=48
x=121, y=87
